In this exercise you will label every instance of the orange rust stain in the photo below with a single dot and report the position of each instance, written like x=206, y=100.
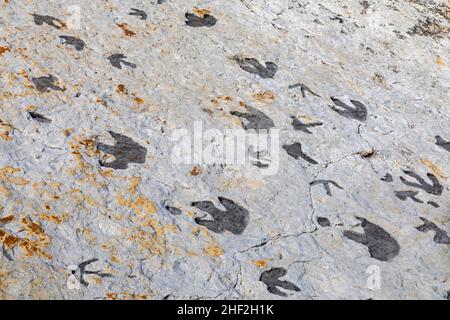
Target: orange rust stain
x=53, y=218
x=201, y=12
x=138, y=100
x=68, y=131
x=5, y=131
x=7, y=219
x=126, y=31
x=264, y=97
x=213, y=251
x=134, y=183
x=436, y=170
x=195, y=171
x=125, y=296
x=140, y=205
x=121, y=88
x=29, y=246
x=441, y=62
x=101, y=101
x=260, y=263
x=7, y=174
x=3, y=50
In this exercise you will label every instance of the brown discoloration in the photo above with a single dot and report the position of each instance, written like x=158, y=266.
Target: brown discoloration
x=7, y=175
x=195, y=171
x=7, y=219
x=201, y=12
x=264, y=97
x=32, y=245
x=441, y=62
x=5, y=131
x=434, y=168
x=121, y=89
x=126, y=30
x=261, y=264
x=138, y=100
x=126, y=296
x=213, y=251
x=4, y=50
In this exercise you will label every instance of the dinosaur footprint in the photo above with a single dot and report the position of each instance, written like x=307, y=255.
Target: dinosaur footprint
x=255, y=119
x=118, y=59
x=304, y=89
x=82, y=266
x=43, y=84
x=358, y=113
x=77, y=43
x=382, y=246
x=195, y=21
x=235, y=219
x=125, y=151
x=440, y=235
x=403, y=195
x=295, y=151
x=271, y=279
x=51, y=21
x=253, y=66
x=442, y=143
x=435, y=188
x=39, y=117
x=300, y=126
x=139, y=13
x=326, y=185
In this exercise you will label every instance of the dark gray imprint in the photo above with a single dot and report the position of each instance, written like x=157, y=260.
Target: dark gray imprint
x=359, y=112
x=253, y=66
x=271, y=278
x=234, y=219
x=125, y=151
x=255, y=119
x=382, y=246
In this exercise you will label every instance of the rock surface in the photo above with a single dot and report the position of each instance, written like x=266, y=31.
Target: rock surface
x=93, y=207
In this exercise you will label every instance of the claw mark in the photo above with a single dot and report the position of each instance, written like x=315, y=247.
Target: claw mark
x=77, y=43
x=440, y=235
x=254, y=120
x=436, y=188
x=125, y=151
x=300, y=126
x=303, y=89
x=382, y=246
x=173, y=210
x=82, y=266
x=403, y=195
x=40, y=20
x=295, y=151
x=193, y=20
x=253, y=66
x=118, y=58
x=139, y=13
x=42, y=84
x=433, y=204
x=326, y=185
x=39, y=117
x=387, y=178
x=235, y=219
x=442, y=143
x=271, y=278
x=358, y=113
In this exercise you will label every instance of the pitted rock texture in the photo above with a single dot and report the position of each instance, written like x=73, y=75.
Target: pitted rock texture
x=92, y=207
